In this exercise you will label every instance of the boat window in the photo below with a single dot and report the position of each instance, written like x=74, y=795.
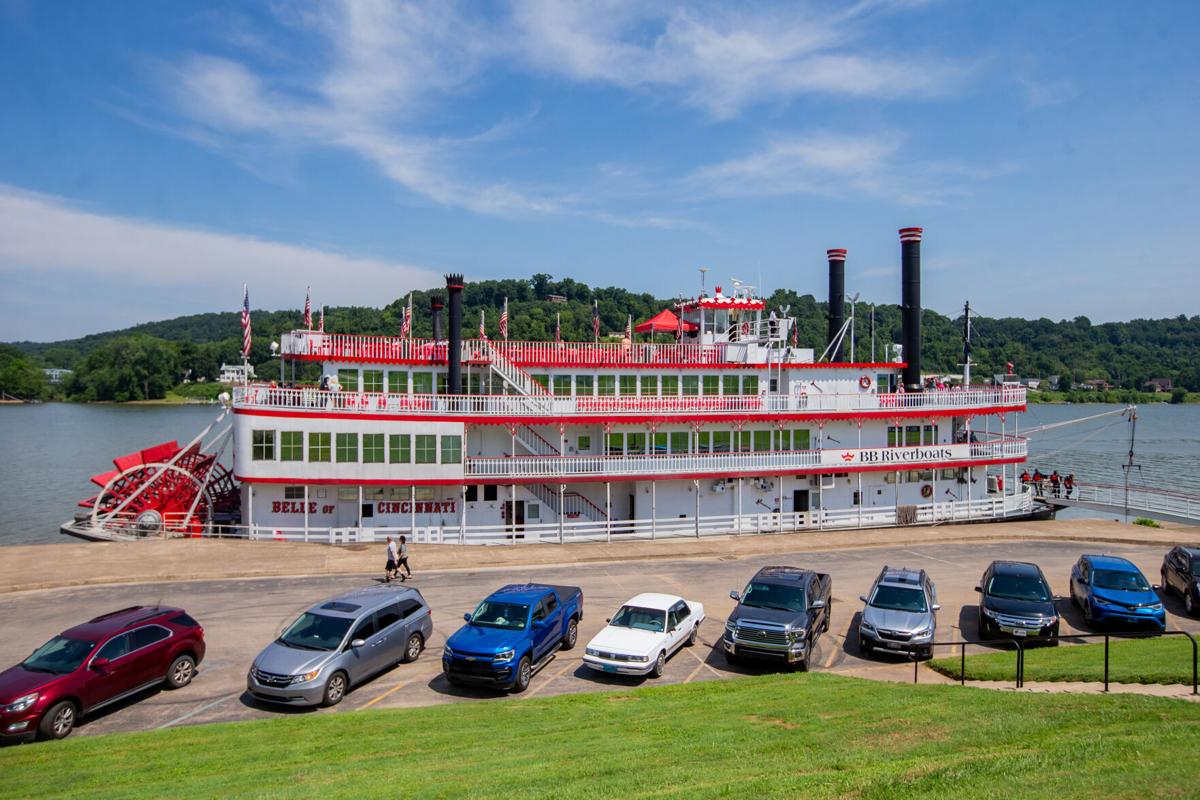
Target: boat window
x=649, y=385
x=691, y=385
x=318, y=447
x=422, y=383
x=347, y=448
x=372, y=380
x=583, y=385
x=451, y=449
x=750, y=384
x=712, y=384
x=262, y=445
x=425, y=445
x=562, y=385
x=372, y=448
x=607, y=385
x=670, y=385
x=399, y=448
x=397, y=382
x=628, y=385
x=729, y=384
x=348, y=380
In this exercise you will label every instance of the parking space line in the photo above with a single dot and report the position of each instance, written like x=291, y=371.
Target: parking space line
x=388, y=693
x=932, y=558
x=199, y=710
x=546, y=682
x=703, y=663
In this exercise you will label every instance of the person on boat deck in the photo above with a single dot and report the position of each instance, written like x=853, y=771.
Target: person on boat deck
x=1069, y=484
x=1038, y=477
x=1025, y=477
x=1055, y=483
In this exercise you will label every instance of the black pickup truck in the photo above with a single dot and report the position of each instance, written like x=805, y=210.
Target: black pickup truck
x=779, y=616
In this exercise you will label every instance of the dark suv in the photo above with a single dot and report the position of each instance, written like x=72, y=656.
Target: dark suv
x=96, y=664
x=1015, y=601
x=779, y=616
x=1181, y=574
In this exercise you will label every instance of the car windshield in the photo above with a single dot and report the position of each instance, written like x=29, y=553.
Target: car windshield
x=643, y=619
x=1119, y=580
x=1019, y=587
x=315, y=632
x=899, y=598
x=492, y=614
x=773, y=595
x=58, y=656
x=1196, y=567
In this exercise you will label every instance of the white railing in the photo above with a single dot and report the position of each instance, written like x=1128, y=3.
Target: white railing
x=1140, y=498
x=545, y=405
x=574, y=505
x=516, y=377
x=904, y=458
x=993, y=507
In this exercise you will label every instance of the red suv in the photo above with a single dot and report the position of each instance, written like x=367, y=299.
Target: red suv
x=95, y=664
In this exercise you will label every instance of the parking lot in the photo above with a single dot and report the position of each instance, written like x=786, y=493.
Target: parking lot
x=241, y=616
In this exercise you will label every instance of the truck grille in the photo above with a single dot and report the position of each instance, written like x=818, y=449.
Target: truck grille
x=755, y=635
x=893, y=636
x=614, y=656
x=463, y=667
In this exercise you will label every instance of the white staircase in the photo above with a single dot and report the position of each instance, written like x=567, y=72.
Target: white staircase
x=534, y=442
x=574, y=505
x=513, y=375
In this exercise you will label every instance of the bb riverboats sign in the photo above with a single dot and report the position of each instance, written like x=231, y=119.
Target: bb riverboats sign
x=900, y=457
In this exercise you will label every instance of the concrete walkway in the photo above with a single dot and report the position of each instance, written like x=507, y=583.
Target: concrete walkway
x=31, y=567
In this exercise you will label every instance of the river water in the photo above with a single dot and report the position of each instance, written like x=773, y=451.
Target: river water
x=49, y=451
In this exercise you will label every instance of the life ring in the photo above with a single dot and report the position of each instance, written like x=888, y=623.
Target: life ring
x=927, y=491
x=745, y=330
x=865, y=382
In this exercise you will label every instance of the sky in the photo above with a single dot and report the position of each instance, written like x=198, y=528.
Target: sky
x=156, y=156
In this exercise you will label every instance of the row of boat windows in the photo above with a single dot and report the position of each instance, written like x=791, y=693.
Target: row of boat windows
x=368, y=493
x=400, y=381
x=421, y=448
x=355, y=448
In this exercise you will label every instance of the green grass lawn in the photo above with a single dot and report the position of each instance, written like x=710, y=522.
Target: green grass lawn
x=1159, y=660
x=810, y=736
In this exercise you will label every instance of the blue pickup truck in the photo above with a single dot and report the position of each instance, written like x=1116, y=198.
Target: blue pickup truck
x=513, y=633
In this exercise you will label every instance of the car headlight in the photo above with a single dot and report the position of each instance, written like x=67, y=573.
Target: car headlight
x=797, y=635
x=987, y=612
x=447, y=652
x=308, y=676
x=1050, y=620
x=730, y=626
x=643, y=659
x=866, y=626
x=921, y=634
x=1156, y=607
x=22, y=703
x=592, y=652
x=504, y=655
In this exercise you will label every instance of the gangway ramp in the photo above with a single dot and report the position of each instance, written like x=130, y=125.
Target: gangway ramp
x=1162, y=504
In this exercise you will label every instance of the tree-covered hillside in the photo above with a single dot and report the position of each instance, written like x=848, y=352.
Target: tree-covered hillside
x=142, y=361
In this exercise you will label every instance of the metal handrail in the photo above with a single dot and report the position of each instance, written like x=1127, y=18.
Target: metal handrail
x=962, y=669
x=1141, y=635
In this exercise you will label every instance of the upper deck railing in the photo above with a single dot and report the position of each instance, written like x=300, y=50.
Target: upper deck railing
x=504, y=406
x=397, y=350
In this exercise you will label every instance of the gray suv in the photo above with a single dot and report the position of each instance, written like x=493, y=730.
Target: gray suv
x=900, y=615
x=339, y=643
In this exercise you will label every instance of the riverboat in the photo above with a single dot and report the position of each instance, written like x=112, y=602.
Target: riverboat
x=729, y=429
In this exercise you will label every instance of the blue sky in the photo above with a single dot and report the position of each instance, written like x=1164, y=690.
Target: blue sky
x=153, y=156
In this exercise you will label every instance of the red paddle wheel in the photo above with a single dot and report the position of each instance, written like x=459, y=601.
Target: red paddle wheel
x=165, y=488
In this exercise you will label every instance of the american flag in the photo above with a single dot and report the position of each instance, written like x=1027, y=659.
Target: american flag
x=596, y=319
x=406, y=319
x=795, y=334
x=308, y=308
x=558, y=327
x=504, y=321
x=245, y=321
x=679, y=327
x=482, y=326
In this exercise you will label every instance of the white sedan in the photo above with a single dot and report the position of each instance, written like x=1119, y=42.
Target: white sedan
x=643, y=634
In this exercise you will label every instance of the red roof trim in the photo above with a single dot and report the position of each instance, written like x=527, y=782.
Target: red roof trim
x=601, y=364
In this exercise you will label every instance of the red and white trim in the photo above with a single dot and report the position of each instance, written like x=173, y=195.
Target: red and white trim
x=911, y=234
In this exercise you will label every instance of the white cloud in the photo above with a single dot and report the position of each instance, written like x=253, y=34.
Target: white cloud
x=382, y=70
x=48, y=246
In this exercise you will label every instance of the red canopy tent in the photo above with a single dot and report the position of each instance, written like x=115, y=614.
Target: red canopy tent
x=664, y=321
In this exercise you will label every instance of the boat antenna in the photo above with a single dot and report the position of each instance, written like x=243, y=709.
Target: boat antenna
x=703, y=272
x=1129, y=465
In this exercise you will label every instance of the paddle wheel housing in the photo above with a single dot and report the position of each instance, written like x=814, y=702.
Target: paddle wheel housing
x=165, y=488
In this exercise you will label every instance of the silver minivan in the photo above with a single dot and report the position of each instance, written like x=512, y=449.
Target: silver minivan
x=339, y=643
x=900, y=615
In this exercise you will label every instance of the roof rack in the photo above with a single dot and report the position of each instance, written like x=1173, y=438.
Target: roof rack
x=112, y=614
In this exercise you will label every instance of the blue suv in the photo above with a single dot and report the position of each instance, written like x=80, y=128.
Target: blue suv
x=1110, y=589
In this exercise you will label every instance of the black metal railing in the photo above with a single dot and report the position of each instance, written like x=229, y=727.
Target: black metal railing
x=1137, y=635
x=1019, y=672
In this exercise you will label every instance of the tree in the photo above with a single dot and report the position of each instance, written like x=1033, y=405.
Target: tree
x=136, y=367
x=19, y=378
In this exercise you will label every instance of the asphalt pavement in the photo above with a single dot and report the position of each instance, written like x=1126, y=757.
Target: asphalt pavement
x=240, y=616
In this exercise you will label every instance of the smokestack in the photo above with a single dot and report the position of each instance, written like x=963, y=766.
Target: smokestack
x=436, y=304
x=837, y=298
x=454, y=287
x=910, y=306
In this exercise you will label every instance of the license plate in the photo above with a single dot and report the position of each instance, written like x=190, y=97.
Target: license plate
x=1020, y=632
x=609, y=668
x=893, y=645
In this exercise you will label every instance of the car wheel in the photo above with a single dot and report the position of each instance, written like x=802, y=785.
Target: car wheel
x=572, y=634
x=1087, y=614
x=1189, y=604
x=825, y=624
x=695, y=634
x=802, y=666
x=660, y=664
x=731, y=659
x=453, y=681
x=59, y=721
x=1166, y=585
x=524, y=673
x=181, y=672
x=335, y=689
x=413, y=648
x=863, y=650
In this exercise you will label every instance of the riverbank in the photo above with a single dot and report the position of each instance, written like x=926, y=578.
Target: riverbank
x=33, y=567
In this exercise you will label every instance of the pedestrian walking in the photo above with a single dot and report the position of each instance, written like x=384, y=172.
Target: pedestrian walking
x=1055, y=483
x=393, y=556
x=402, y=560
x=1038, y=477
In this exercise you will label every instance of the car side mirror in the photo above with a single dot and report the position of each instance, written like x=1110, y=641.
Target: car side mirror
x=539, y=623
x=734, y=595
x=99, y=663
x=608, y=619
x=1156, y=587
x=467, y=617
x=937, y=607
x=979, y=589
x=818, y=604
x=862, y=597
x=357, y=643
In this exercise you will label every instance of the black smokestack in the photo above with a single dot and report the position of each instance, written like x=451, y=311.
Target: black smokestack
x=454, y=287
x=837, y=298
x=910, y=306
x=436, y=304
